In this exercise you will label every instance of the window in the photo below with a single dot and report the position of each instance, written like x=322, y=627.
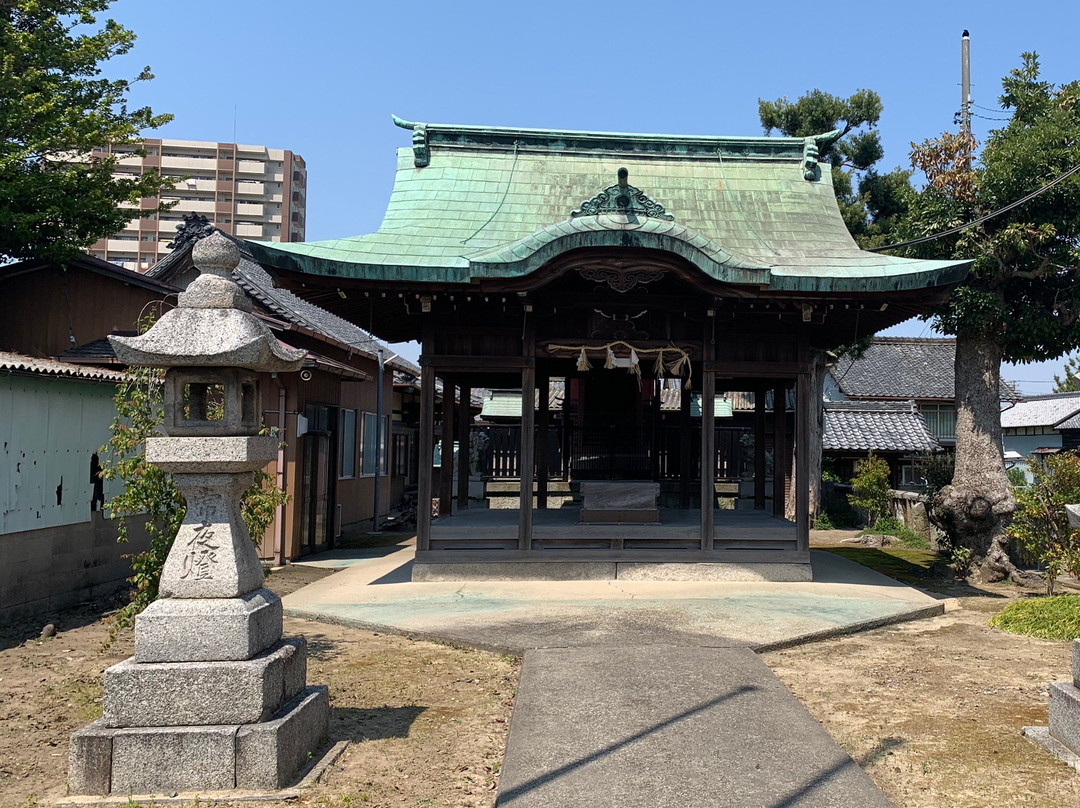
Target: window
x=940, y=420
x=402, y=455
x=347, y=449
x=367, y=444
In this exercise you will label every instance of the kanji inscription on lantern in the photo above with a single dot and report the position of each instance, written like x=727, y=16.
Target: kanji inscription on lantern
x=200, y=555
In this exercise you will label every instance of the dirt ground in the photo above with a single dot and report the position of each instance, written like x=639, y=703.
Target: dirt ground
x=932, y=709
x=428, y=721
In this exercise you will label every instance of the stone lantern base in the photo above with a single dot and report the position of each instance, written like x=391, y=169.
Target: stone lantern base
x=1062, y=737
x=214, y=698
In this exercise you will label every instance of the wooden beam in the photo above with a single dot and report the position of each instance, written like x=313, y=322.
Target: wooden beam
x=708, y=440
x=464, y=425
x=427, y=454
x=543, y=386
x=654, y=447
x=528, y=435
x=803, y=413
x=473, y=364
x=446, y=454
x=759, y=448
x=779, y=462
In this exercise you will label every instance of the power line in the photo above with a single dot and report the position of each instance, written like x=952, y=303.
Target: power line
x=981, y=219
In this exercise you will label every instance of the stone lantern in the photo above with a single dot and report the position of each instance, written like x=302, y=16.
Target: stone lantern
x=214, y=698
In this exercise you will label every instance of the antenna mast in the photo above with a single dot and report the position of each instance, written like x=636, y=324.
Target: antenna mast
x=965, y=82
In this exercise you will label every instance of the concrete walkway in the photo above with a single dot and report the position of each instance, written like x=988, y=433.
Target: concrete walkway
x=663, y=726
x=374, y=590
x=639, y=694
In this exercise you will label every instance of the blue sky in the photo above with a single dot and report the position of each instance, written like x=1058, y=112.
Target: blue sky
x=322, y=77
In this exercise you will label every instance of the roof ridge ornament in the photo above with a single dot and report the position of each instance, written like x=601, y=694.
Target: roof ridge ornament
x=421, y=152
x=812, y=147
x=623, y=198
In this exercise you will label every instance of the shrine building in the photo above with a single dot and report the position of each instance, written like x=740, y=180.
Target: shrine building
x=630, y=268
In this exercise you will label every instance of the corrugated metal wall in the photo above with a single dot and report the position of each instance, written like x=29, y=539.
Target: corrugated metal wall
x=49, y=429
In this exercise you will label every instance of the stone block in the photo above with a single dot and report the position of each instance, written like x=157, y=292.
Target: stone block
x=514, y=571
x=161, y=760
x=1065, y=714
x=270, y=755
x=212, y=555
x=90, y=760
x=172, y=694
x=1076, y=663
x=208, y=629
x=620, y=495
x=707, y=571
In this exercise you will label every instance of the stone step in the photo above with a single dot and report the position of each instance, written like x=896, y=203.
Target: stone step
x=137, y=761
x=169, y=694
x=1065, y=714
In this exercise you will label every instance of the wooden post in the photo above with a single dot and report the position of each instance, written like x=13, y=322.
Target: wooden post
x=528, y=436
x=427, y=455
x=463, y=427
x=686, y=466
x=543, y=386
x=779, y=462
x=708, y=438
x=759, y=448
x=654, y=445
x=446, y=454
x=803, y=414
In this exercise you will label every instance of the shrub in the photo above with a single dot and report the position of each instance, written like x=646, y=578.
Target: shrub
x=1017, y=477
x=891, y=526
x=1052, y=618
x=870, y=489
x=823, y=522
x=1040, y=526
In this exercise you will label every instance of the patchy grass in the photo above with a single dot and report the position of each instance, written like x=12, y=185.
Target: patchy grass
x=1052, y=618
x=907, y=565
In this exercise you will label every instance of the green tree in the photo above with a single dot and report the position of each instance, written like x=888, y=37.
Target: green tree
x=870, y=202
x=1021, y=300
x=1067, y=381
x=149, y=493
x=1040, y=525
x=56, y=197
x=870, y=489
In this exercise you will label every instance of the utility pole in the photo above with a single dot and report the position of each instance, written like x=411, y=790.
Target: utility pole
x=965, y=83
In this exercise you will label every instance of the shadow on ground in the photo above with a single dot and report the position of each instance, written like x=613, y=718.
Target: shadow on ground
x=374, y=724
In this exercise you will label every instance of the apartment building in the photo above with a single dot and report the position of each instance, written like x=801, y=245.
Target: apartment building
x=249, y=191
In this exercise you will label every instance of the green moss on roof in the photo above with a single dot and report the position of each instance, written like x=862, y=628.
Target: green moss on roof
x=497, y=203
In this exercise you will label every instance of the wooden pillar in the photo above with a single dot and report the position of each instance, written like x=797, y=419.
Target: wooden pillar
x=543, y=386
x=654, y=446
x=759, y=448
x=779, y=463
x=708, y=439
x=446, y=455
x=686, y=465
x=427, y=454
x=803, y=414
x=528, y=436
x=463, y=426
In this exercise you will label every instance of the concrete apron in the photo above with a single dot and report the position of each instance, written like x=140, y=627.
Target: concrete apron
x=374, y=590
x=640, y=693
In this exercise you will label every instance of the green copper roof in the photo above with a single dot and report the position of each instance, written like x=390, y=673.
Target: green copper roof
x=472, y=203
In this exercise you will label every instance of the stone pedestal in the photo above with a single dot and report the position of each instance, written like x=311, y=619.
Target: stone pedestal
x=1062, y=737
x=214, y=699
x=619, y=502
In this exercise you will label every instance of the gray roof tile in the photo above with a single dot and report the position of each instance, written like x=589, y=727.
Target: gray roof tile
x=883, y=426
x=905, y=367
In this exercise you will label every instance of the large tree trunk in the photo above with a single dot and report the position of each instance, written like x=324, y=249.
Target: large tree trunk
x=977, y=507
